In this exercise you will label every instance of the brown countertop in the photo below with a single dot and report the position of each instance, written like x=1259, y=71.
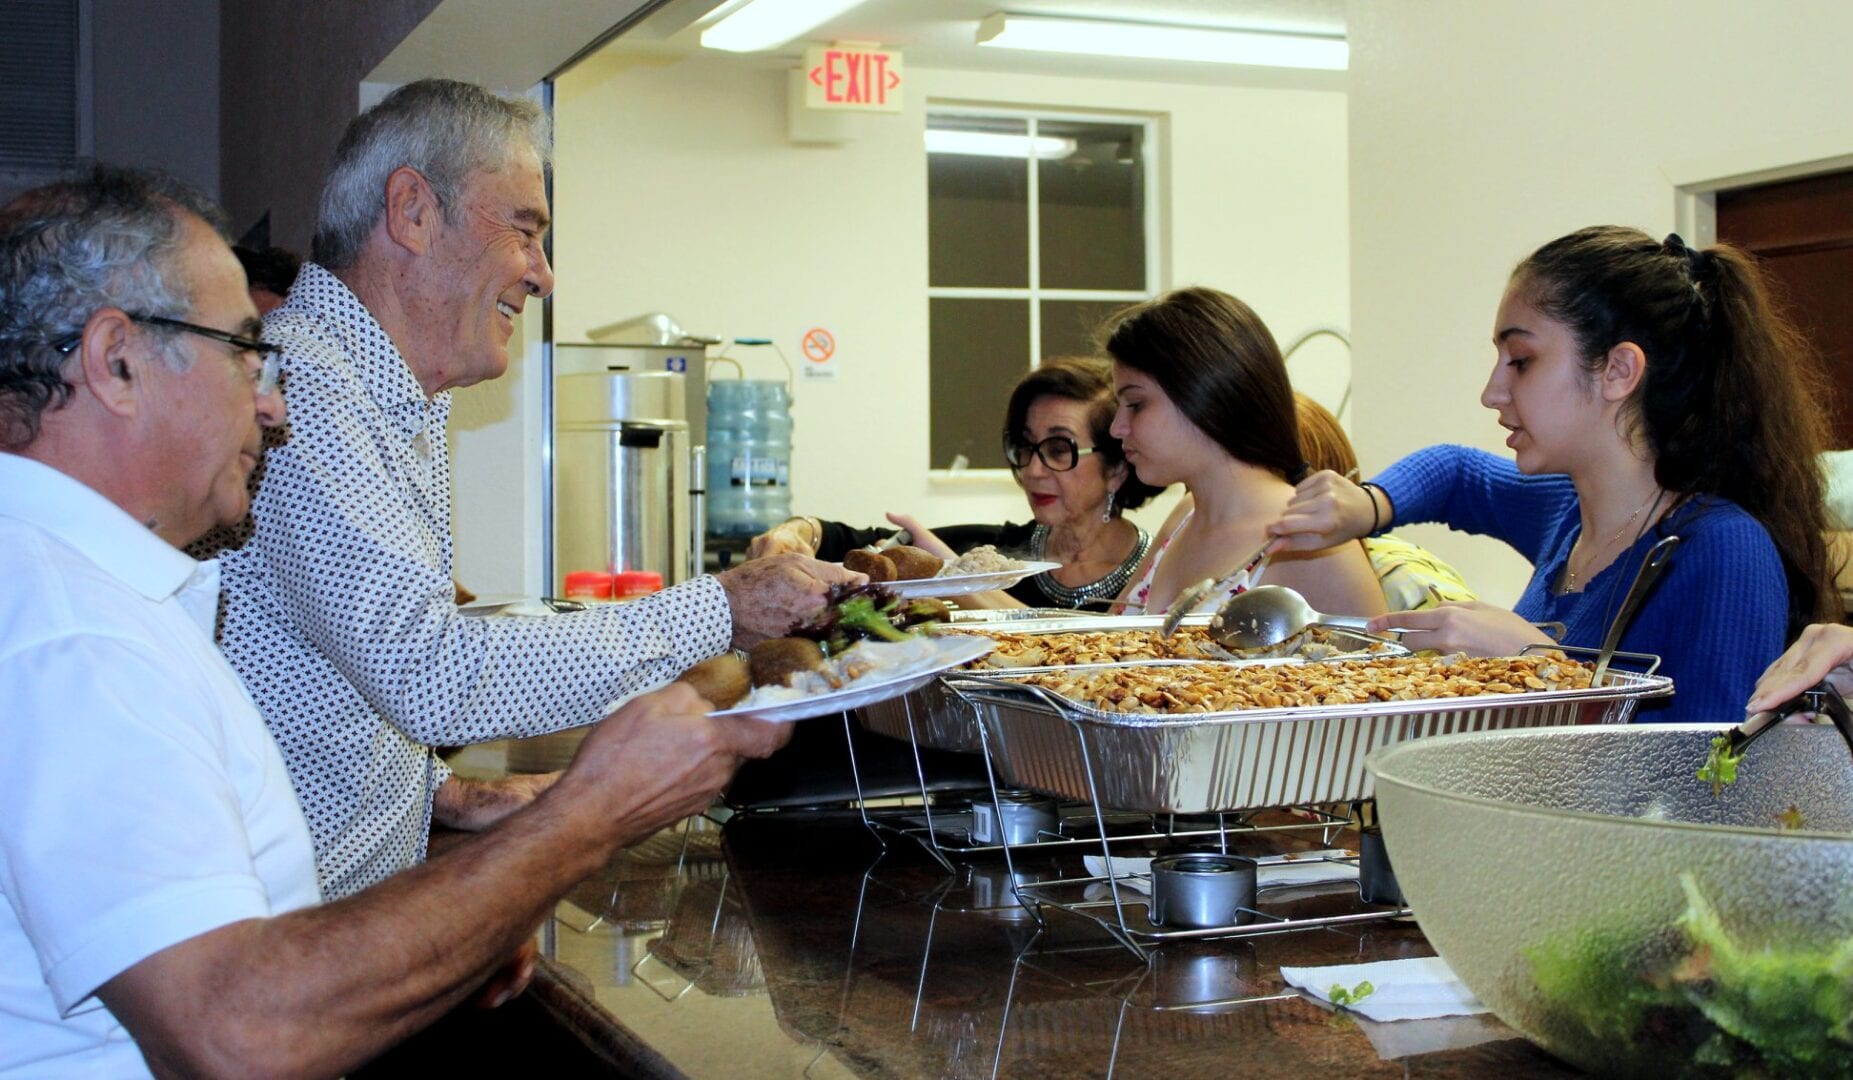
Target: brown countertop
x=785, y=946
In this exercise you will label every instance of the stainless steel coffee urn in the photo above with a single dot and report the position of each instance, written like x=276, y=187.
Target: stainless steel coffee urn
x=622, y=476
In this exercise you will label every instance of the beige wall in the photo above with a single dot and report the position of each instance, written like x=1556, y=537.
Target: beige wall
x=677, y=190
x=1482, y=128
x=289, y=75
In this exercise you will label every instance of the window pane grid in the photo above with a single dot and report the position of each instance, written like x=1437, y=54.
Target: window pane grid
x=1084, y=245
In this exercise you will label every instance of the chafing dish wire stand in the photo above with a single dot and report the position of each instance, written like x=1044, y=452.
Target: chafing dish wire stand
x=950, y=837
x=1614, y=702
x=938, y=835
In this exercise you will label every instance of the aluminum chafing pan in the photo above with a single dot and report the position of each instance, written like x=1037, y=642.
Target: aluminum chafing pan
x=941, y=720
x=1209, y=762
x=1012, y=615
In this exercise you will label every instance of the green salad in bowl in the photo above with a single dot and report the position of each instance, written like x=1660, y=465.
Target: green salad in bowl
x=1600, y=898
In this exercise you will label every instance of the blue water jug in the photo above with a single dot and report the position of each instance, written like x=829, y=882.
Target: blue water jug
x=749, y=456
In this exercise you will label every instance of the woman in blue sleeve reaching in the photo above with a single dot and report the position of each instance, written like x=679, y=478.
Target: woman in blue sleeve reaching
x=1648, y=390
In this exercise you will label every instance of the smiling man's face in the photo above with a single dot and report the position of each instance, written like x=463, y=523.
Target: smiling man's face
x=484, y=265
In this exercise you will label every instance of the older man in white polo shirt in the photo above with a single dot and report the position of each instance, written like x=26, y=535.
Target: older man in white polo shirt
x=160, y=901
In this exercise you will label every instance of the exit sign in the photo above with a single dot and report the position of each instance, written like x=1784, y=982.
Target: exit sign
x=846, y=76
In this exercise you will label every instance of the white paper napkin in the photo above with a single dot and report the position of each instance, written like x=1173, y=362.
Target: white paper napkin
x=1413, y=1038
x=1412, y=989
x=1307, y=869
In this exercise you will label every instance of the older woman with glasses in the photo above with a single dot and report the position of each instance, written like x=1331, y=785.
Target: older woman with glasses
x=1077, y=483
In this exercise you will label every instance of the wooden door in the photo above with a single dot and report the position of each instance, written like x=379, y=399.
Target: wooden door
x=1802, y=230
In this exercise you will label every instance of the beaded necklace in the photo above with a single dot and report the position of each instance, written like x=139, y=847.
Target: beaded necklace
x=1107, y=588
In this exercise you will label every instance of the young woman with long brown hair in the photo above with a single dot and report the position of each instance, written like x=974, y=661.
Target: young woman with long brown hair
x=1648, y=389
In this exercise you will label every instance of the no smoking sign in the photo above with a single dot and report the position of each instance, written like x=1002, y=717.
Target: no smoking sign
x=819, y=347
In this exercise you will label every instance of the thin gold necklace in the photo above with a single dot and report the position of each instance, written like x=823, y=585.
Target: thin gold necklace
x=1569, y=571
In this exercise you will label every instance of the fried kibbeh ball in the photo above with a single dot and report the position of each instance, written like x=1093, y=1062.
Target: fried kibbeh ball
x=873, y=563
x=912, y=563
x=775, y=661
x=723, y=679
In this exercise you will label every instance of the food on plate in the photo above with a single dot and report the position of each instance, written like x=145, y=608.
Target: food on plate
x=1018, y=650
x=858, y=612
x=912, y=563
x=1202, y=688
x=899, y=563
x=873, y=563
x=722, y=679
x=777, y=661
x=864, y=632
x=983, y=559
x=1695, y=1001
x=864, y=660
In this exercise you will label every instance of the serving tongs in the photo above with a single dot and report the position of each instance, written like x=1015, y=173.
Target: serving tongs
x=1644, y=579
x=1817, y=699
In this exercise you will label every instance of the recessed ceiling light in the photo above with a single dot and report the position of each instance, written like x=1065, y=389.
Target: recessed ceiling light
x=767, y=24
x=1157, y=41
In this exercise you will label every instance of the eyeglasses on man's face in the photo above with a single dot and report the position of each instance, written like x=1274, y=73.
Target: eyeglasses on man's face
x=1058, y=452
x=264, y=378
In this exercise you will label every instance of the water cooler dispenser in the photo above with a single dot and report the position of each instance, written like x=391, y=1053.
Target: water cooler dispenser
x=748, y=459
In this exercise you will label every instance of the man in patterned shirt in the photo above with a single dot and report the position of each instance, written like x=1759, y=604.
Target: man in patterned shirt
x=339, y=610
x=158, y=900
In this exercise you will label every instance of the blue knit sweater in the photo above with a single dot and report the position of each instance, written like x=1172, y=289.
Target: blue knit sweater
x=1716, y=619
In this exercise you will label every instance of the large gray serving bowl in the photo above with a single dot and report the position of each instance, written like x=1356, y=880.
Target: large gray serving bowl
x=1546, y=868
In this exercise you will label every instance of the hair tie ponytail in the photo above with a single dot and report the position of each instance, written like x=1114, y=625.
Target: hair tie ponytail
x=1698, y=262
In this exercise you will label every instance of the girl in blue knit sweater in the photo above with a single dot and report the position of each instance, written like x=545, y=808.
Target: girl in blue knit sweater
x=1647, y=390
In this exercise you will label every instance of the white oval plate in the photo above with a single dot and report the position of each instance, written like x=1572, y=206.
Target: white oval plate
x=961, y=584
x=949, y=652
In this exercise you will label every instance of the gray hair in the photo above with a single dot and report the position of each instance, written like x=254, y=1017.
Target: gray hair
x=109, y=237
x=444, y=129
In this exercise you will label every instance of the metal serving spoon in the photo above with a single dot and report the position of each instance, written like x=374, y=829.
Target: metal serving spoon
x=1187, y=601
x=1267, y=615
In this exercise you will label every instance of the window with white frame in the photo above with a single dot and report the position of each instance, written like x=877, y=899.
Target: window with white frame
x=1038, y=226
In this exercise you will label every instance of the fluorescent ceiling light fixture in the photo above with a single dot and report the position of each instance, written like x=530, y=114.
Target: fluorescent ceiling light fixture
x=997, y=144
x=1154, y=41
x=767, y=24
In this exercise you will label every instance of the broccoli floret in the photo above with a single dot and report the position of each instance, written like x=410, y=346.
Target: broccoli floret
x=860, y=616
x=854, y=613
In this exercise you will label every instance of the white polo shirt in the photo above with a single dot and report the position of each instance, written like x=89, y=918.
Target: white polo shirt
x=142, y=801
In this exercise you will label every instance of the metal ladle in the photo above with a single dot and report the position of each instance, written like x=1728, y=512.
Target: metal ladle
x=1267, y=615
x=1187, y=601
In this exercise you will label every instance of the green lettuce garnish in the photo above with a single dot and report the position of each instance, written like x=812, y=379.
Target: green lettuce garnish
x=1720, y=766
